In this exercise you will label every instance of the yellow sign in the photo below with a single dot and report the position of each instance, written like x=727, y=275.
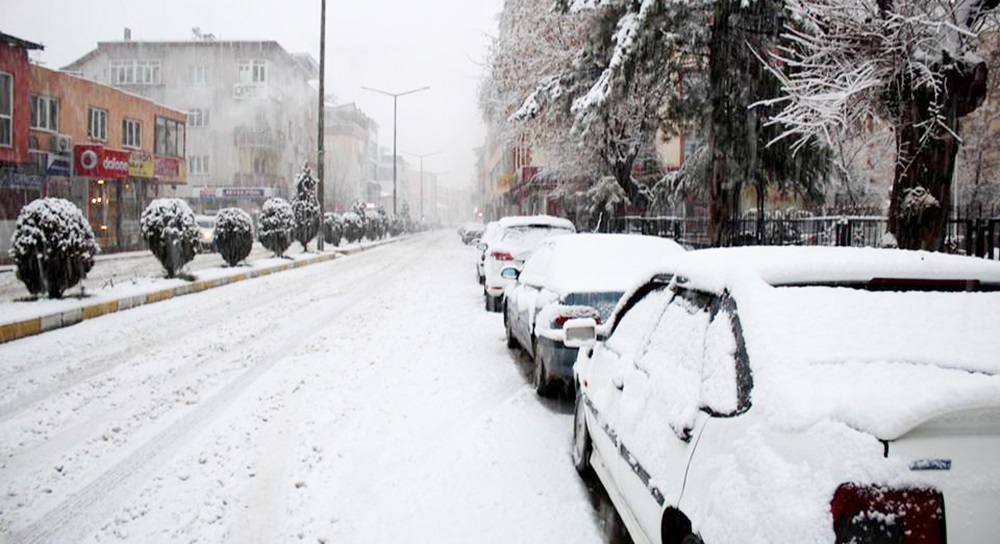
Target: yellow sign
x=141, y=165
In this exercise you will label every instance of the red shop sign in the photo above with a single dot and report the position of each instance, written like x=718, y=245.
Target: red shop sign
x=97, y=161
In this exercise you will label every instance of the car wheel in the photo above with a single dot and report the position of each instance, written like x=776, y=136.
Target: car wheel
x=582, y=446
x=692, y=539
x=540, y=378
x=488, y=302
x=511, y=341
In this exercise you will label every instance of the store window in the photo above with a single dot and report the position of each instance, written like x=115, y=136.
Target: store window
x=169, y=137
x=97, y=124
x=131, y=133
x=6, y=109
x=251, y=71
x=44, y=113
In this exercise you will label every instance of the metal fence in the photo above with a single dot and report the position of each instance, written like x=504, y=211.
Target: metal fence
x=978, y=237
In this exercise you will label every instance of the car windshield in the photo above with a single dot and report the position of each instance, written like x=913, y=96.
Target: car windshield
x=206, y=223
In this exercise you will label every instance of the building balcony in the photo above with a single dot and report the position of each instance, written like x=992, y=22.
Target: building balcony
x=252, y=137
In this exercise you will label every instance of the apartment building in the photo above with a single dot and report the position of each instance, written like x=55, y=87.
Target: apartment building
x=251, y=105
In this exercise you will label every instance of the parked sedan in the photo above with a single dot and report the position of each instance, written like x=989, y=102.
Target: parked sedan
x=568, y=277
x=793, y=394
x=491, y=232
x=518, y=235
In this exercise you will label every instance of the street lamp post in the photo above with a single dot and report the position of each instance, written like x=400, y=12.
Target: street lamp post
x=394, y=97
x=320, y=152
x=421, y=157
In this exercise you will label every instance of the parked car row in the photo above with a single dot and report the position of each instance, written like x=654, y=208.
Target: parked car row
x=772, y=394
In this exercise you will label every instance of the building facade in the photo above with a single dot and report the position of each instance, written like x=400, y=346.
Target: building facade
x=251, y=107
x=108, y=151
x=351, y=157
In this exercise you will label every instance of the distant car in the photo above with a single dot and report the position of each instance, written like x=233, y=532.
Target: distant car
x=569, y=277
x=798, y=394
x=491, y=232
x=206, y=233
x=517, y=237
x=470, y=232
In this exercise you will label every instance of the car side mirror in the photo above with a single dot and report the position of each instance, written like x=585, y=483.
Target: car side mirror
x=481, y=246
x=580, y=333
x=510, y=273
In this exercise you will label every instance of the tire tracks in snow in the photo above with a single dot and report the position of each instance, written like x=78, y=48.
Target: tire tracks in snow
x=75, y=517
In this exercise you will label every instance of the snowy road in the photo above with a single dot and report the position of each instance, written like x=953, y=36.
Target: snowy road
x=366, y=399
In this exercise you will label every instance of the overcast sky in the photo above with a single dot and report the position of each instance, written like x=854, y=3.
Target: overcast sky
x=393, y=45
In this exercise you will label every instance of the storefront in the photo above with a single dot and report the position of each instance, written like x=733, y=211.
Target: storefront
x=115, y=198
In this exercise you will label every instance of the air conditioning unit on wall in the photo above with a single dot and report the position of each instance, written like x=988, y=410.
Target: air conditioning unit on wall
x=61, y=143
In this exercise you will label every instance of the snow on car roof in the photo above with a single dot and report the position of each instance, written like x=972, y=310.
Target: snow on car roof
x=605, y=262
x=527, y=220
x=880, y=361
x=711, y=269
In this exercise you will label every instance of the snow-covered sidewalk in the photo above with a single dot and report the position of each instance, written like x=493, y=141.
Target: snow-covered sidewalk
x=25, y=316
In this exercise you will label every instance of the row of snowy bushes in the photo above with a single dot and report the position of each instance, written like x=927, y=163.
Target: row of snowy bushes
x=53, y=245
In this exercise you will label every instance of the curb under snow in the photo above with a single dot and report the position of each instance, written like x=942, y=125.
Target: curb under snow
x=37, y=325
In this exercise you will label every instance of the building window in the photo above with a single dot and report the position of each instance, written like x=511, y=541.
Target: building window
x=44, y=113
x=169, y=137
x=135, y=72
x=198, y=165
x=97, y=124
x=131, y=133
x=6, y=109
x=251, y=71
x=198, y=74
x=198, y=118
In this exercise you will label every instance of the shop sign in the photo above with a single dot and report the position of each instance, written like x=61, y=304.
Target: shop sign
x=141, y=165
x=58, y=165
x=97, y=161
x=243, y=192
x=169, y=169
x=12, y=179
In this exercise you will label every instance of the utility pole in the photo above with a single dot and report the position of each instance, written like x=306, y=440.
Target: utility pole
x=421, y=157
x=322, y=111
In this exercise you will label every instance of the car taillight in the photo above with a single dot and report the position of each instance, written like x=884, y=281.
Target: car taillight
x=881, y=515
x=558, y=322
x=502, y=256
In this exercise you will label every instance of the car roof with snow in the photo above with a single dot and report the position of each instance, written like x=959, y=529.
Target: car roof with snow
x=536, y=220
x=822, y=342
x=590, y=262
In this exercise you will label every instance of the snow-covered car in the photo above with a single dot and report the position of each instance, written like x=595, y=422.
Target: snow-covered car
x=491, y=232
x=470, y=232
x=206, y=232
x=517, y=236
x=568, y=277
x=797, y=394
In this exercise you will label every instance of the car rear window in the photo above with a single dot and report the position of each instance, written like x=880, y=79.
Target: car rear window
x=604, y=303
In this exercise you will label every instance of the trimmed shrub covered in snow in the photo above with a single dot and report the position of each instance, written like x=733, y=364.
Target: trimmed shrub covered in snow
x=333, y=228
x=233, y=234
x=305, y=207
x=171, y=232
x=53, y=246
x=354, y=227
x=275, y=225
x=396, y=225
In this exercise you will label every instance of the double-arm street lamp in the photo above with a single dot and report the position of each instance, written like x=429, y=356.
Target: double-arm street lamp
x=421, y=157
x=394, y=96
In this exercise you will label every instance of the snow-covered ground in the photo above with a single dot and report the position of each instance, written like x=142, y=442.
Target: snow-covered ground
x=365, y=399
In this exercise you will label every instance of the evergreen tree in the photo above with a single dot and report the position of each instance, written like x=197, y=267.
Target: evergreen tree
x=171, y=232
x=233, y=234
x=305, y=206
x=275, y=225
x=53, y=246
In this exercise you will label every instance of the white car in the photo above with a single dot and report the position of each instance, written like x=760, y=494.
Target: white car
x=206, y=232
x=490, y=233
x=517, y=236
x=795, y=394
x=569, y=277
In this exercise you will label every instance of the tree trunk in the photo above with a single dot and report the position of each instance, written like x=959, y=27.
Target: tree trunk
x=920, y=200
x=622, y=170
x=723, y=191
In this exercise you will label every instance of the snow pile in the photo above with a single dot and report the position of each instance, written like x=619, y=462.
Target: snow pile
x=605, y=262
x=53, y=246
